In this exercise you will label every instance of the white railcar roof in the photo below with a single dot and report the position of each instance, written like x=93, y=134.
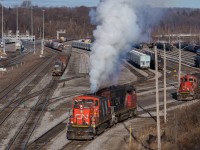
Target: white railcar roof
x=138, y=53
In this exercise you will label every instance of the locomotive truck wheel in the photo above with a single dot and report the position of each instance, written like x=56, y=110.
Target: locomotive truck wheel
x=178, y=97
x=116, y=120
x=135, y=112
x=111, y=123
x=130, y=113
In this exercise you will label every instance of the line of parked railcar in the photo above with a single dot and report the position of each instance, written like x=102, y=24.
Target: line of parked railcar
x=54, y=44
x=139, y=59
x=82, y=44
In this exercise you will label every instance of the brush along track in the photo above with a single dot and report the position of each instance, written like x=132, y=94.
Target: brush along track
x=22, y=136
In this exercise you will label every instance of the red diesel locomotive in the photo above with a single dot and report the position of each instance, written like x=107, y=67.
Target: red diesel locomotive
x=92, y=114
x=189, y=87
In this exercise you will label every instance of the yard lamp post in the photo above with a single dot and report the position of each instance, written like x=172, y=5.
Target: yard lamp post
x=42, y=42
x=3, y=40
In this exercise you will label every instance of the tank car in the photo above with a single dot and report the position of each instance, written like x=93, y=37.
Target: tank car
x=93, y=113
x=189, y=87
x=139, y=59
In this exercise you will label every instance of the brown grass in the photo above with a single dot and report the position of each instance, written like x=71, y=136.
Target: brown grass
x=182, y=131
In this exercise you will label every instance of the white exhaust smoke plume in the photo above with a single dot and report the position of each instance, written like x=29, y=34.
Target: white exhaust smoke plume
x=119, y=25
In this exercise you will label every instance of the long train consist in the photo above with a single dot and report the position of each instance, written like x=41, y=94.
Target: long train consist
x=60, y=65
x=93, y=113
x=189, y=87
x=54, y=44
x=139, y=59
x=82, y=44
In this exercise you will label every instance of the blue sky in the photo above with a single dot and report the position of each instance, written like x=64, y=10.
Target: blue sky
x=74, y=3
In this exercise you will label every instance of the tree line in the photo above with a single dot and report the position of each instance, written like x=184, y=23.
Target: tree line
x=76, y=21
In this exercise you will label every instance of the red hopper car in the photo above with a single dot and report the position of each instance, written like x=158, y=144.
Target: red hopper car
x=189, y=87
x=92, y=114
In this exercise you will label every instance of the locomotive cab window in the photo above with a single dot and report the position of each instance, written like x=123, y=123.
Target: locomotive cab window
x=190, y=79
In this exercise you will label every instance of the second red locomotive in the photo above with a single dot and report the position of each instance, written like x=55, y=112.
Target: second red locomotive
x=92, y=114
x=189, y=87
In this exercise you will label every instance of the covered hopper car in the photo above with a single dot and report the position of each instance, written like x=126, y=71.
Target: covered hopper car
x=189, y=87
x=139, y=59
x=93, y=113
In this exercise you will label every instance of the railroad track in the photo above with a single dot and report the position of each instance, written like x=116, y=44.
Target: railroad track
x=17, y=81
x=36, y=69
x=21, y=138
x=47, y=137
x=75, y=145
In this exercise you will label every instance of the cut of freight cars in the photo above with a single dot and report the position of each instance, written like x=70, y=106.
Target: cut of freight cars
x=93, y=113
x=189, y=87
x=54, y=44
x=139, y=59
x=82, y=44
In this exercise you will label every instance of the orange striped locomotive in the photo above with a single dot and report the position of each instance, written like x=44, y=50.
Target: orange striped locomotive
x=92, y=114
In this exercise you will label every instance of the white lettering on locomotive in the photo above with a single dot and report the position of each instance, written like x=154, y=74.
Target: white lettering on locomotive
x=81, y=116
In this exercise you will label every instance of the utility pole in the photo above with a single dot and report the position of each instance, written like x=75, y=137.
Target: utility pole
x=42, y=43
x=157, y=101
x=165, y=92
x=179, y=72
x=34, y=45
x=31, y=20
x=3, y=40
x=17, y=23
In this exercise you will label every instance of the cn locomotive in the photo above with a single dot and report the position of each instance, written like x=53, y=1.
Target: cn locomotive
x=189, y=88
x=93, y=113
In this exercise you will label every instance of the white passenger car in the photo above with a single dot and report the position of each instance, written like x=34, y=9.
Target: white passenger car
x=139, y=59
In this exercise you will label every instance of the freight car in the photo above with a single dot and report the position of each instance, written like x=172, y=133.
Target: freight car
x=82, y=44
x=93, y=113
x=60, y=65
x=189, y=87
x=197, y=61
x=152, y=62
x=54, y=44
x=168, y=46
x=139, y=59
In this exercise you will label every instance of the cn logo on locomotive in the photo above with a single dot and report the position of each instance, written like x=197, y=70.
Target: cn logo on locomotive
x=81, y=116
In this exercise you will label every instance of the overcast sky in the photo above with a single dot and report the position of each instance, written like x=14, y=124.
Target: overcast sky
x=74, y=3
